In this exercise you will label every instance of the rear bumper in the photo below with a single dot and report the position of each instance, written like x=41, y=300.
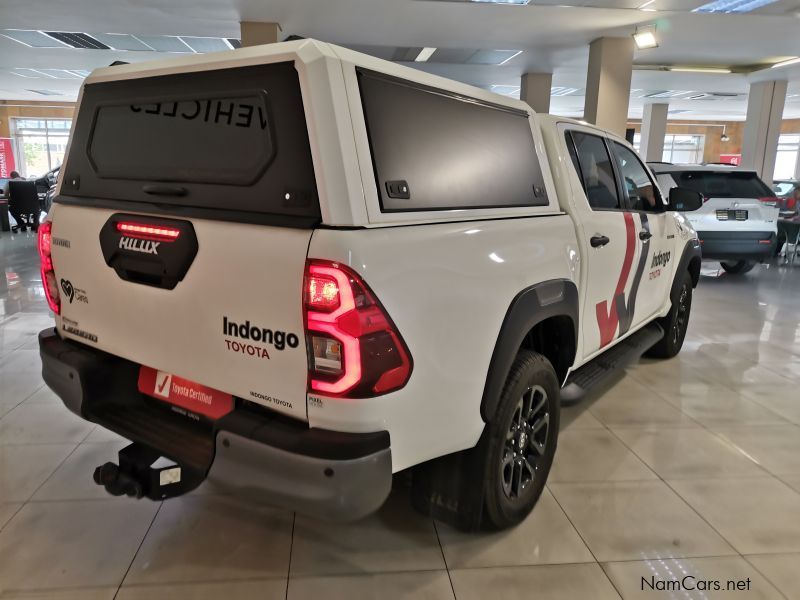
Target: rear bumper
x=335, y=475
x=737, y=245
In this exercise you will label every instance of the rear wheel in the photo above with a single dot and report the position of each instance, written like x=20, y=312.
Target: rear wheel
x=521, y=441
x=676, y=322
x=739, y=267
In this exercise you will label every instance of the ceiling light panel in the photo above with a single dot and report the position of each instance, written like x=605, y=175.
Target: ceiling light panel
x=122, y=41
x=511, y=2
x=490, y=57
x=563, y=91
x=46, y=92
x=666, y=94
x=77, y=40
x=165, y=43
x=34, y=39
x=732, y=6
x=425, y=54
x=506, y=90
x=205, y=44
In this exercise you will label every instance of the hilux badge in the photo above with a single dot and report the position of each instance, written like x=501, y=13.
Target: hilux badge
x=138, y=245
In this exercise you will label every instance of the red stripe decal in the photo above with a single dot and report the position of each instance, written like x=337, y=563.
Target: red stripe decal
x=608, y=318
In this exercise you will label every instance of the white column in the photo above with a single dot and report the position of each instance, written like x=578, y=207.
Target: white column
x=654, y=128
x=535, y=90
x=763, y=127
x=254, y=33
x=608, y=83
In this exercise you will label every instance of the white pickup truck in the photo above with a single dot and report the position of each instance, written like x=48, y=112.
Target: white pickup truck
x=295, y=270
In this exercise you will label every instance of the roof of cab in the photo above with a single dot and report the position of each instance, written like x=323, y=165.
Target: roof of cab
x=305, y=51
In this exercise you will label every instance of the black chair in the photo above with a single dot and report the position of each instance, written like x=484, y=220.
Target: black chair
x=23, y=204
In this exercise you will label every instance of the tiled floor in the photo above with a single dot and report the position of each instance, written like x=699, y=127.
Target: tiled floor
x=684, y=467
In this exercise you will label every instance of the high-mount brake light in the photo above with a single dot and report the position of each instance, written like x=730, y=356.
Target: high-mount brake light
x=155, y=233
x=49, y=281
x=355, y=350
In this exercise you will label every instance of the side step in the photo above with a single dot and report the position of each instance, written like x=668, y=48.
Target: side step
x=610, y=362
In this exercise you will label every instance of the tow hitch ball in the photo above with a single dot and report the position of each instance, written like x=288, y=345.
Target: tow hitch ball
x=117, y=482
x=142, y=472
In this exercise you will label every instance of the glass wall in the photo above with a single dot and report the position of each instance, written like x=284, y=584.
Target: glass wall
x=41, y=144
x=786, y=159
x=679, y=148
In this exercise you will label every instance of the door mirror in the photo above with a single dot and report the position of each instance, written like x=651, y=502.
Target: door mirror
x=684, y=199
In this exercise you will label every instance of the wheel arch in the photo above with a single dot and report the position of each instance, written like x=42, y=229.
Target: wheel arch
x=542, y=318
x=690, y=260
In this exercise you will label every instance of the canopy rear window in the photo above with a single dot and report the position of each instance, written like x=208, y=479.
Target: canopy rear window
x=232, y=141
x=721, y=184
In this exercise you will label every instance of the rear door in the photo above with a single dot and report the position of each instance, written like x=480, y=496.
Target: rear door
x=656, y=260
x=609, y=240
x=181, y=230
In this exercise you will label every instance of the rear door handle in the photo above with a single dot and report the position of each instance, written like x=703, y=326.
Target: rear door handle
x=645, y=235
x=598, y=240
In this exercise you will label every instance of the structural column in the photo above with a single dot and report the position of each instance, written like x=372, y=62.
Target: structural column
x=254, y=33
x=763, y=127
x=608, y=83
x=654, y=128
x=535, y=90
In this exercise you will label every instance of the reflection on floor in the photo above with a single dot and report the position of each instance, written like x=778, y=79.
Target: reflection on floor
x=684, y=467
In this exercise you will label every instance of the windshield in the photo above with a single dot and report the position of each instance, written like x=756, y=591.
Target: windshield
x=721, y=184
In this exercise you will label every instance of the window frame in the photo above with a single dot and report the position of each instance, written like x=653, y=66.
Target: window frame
x=621, y=196
x=620, y=184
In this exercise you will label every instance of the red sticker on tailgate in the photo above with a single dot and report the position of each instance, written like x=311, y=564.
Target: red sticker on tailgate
x=184, y=393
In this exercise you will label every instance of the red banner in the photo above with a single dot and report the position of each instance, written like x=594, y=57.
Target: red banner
x=730, y=159
x=6, y=158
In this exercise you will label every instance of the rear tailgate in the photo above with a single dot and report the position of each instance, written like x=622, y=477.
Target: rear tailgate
x=182, y=226
x=737, y=214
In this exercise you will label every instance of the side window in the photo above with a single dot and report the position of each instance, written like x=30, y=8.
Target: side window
x=435, y=150
x=594, y=167
x=640, y=189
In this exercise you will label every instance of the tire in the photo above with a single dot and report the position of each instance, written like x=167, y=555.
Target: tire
x=676, y=322
x=521, y=441
x=740, y=267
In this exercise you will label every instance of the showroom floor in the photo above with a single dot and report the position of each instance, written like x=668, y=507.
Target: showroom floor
x=690, y=466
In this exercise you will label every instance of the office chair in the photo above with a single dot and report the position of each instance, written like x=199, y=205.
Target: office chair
x=23, y=204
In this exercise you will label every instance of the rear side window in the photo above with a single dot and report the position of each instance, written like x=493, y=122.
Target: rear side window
x=721, y=184
x=593, y=164
x=433, y=150
x=641, y=192
x=230, y=144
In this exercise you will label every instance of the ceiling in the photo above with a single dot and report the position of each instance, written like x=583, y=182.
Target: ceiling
x=468, y=35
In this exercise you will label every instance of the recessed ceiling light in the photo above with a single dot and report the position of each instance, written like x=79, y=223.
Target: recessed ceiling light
x=424, y=54
x=645, y=37
x=699, y=69
x=786, y=63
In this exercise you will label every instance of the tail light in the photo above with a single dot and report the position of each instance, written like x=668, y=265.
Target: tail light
x=49, y=281
x=354, y=348
x=769, y=200
x=791, y=203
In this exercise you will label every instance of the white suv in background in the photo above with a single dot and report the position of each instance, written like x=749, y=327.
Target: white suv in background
x=738, y=223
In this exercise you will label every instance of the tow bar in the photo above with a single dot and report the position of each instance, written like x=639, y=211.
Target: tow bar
x=144, y=473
